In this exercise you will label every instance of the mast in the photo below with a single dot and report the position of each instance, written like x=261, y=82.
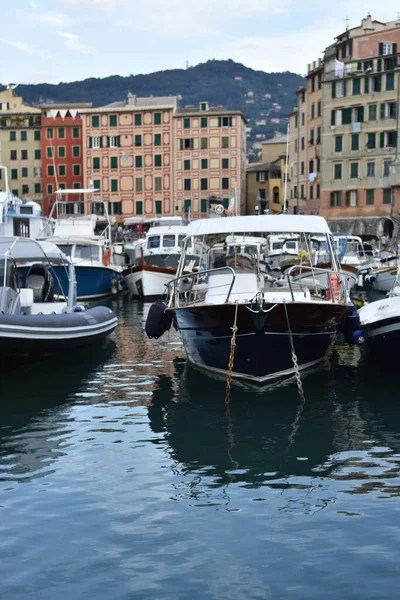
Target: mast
x=286, y=171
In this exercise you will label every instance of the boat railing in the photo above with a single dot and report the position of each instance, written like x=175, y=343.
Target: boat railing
x=193, y=291
x=337, y=293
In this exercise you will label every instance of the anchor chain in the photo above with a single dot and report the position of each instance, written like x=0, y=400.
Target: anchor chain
x=231, y=360
x=294, y=358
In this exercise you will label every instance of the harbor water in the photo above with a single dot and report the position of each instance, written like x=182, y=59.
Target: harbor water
x=122, y=477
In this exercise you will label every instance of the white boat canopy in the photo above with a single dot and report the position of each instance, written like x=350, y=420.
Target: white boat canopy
x=261, y=224
x=29, y=250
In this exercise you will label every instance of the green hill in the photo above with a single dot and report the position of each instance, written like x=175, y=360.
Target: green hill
x=220, y=82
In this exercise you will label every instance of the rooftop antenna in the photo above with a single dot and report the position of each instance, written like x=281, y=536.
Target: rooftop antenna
x=187, y=64
x=347, y=22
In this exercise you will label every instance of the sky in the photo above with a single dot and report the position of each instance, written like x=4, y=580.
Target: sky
x=69, y=40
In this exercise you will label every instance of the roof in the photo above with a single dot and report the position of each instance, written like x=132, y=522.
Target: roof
x=191, y=111
x=263, y=167
x=260, y=223
x=281, y=139
x=133, y=103
x=67, y=105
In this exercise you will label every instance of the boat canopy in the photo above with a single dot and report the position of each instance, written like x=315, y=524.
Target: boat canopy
x=260, y=223
x=29, y=250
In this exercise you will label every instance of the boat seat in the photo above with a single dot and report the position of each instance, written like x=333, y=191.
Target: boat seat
x=36, y=284
x=41, y=282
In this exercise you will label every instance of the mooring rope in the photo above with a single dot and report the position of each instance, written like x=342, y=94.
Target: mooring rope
x=294, y=357
x=231, y=359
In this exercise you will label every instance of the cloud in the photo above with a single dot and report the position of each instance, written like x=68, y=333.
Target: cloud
x=56, y=19
x=24, y=47
x=72, y=42
x=34, y=4
x=104, y=4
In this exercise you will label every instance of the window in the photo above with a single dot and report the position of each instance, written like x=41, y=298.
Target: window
x=138, y=162
x=302, y=197
x=158, y=160
x=389, y=81
x=138, y=140
x=187, y=206
x=186, y=123
x=370, y=169
x=61, y=170
x=312, y=137
x=114, y=162
x=203, y=122
x=370, y=197
x=262, y=176
x=204, y=184
x=336, y=199
x=25, y=189
x=388, y=110
x=296, y=121
x=319, y=109
x=36, y=135
x=139, y=207
x=13, y=136
x=158, y=184
x=296, y=145
x=385, y=49
x=225, y=163
x=356, y=87
x=77, y=185
x=13, y=155
x=113, y=141
x=96, y=162
x=388, y=139
x=225, y=121
x=138, y=122
x=158, y=204
x=50, y=171
x=38, y=188
x=139, y=184
x=75, y=151
x=311, y=166
x=313, y=111
x=372, y=112
x=203, y=143
x=96, y=121
x=50, y=151
x=114, y=185
x=49, y=188
x=203, y=205
x=113, y=120
x=337, y=171
x=224, y=142
x=186, y=165
x=24, y=172
x=115, y=208
x=353, y=170
x=311, y=192
x=61, y=151
x=157, y=118
x=61, y=133
x=302, y=167
x=38, y=155
x=76, y=169
x=225, y=183
x=386, y=167
x=157, y=139
x=75, y=133
x=302, y=119
x=302, y=143
x=354, y=141
x=95, y=142
x=24, y=154
x=371, y=141
x=96, y=184
x=387, y=196
x=340, y=89
x=186, y=144
x=187, y=184
x=204, y=163
x=24, y=136
x=338, y=143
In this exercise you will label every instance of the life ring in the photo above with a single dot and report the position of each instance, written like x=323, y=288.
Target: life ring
x=106, y=257
x=334, y=286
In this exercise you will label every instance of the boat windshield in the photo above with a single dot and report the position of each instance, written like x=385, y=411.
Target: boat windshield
x=277, y=245
x=168, y=241
x=87, y=252
x=8, y=274
x=291, y=245
x=153, y=241
x=66, y=249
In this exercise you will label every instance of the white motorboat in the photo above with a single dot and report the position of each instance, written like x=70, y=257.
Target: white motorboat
x=382, y=278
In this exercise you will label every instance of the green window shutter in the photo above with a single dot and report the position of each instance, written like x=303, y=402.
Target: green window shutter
x=203, y=205
x=361, y=114
x=96, y=184
x=204, y=163
x=332, y=199
x=90, y=143
x=186, y=165
x=180, y=144
x=382, y=139
x=114, y=185
x=95, y=121
x=347, y=198
x=333, y=117
x=382, y=111
x=366, y=85
x=333, y=89
x=353, y=170
x=138, y=120
x=113, y=120
x=344, y=87
x=101, y=141
x=158, y=207
x=394, y=109
x=387, y=196
x=379, y=83
x=356, y=87
x=379, y=65
x=138, y=140
x=394, y=139
x=157, y=139
x=139, y=207
x=203, y=122
x=114, y=162
x=338, y=143
x=158, y=160
x=187, y=205
x=225, y=183
x=138, y=162
x=204, y=184
x=219, y=121
x=370, y=197
x=186, y=123
x=96, y=162
x=225, y=163
x=390, y=81
x=230, y=121
x=394, y=48
x=157, y=118
x=380, y=48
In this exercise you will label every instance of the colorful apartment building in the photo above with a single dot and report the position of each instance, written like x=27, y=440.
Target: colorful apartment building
x=209, y=158
x=360, y=130
x=266, y=180
x=305, y=149
x=148, y=157
x=20, y=145
x=62, y=156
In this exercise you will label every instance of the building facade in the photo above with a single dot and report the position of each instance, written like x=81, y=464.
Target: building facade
x=266, y=180
x=360, y=128
x=20, y=145
x=62, y=156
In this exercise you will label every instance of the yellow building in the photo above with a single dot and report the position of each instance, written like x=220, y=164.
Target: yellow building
x=266, y=180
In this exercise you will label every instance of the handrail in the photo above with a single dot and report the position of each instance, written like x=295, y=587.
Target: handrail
x=310, y=268
x=197, y=273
